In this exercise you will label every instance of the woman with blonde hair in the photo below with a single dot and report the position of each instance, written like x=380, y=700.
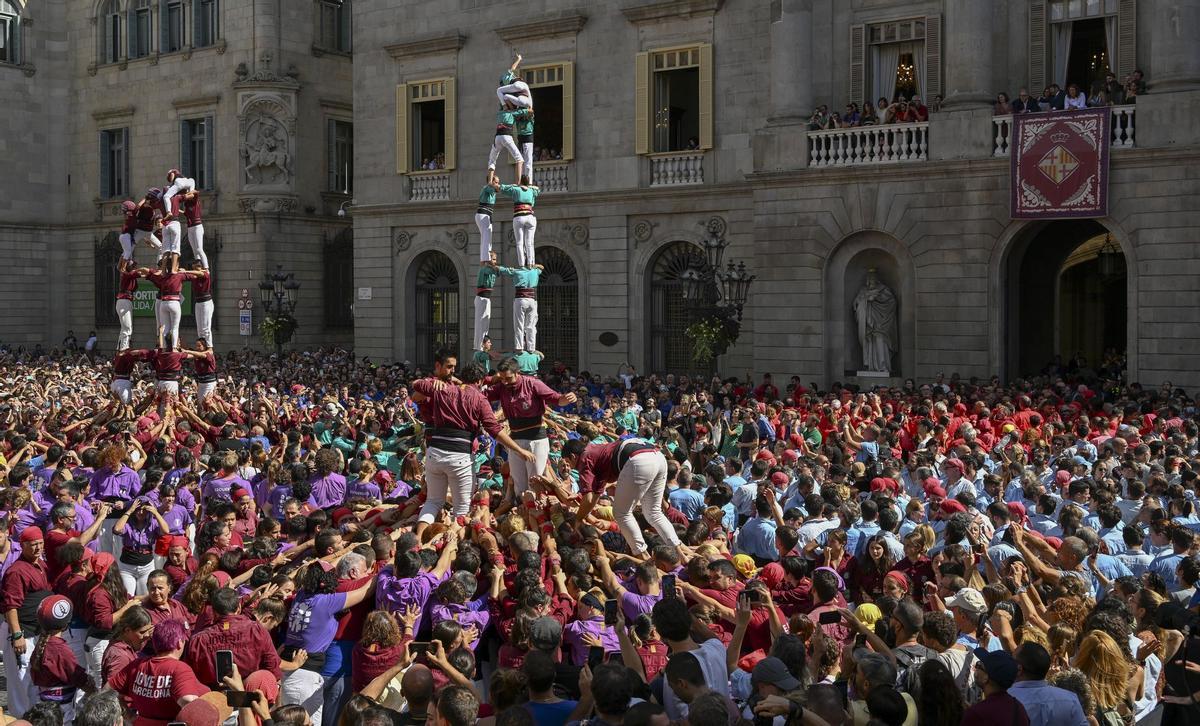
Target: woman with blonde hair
x=1116, y=683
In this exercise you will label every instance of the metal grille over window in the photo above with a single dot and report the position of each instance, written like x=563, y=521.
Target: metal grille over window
x=437, y=296
x=558, y=308
x=670, y=349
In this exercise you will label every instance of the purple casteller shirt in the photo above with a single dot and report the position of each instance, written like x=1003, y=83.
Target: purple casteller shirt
x=633, y=604
x=178, y=519
x=258, y=487
x=141, y=535
x=328, y=491
x=183, y=498
x=312, y=622
x=472, y=614
x=122, y=484
x=276, y=497
x=223, y=487
x=14, y=554
x=397, y=594
x=172, y=477
x=84, y=518
x=363, y=490
x=574, y=632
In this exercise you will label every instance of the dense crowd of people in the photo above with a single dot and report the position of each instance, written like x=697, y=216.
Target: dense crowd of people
x=298, y=547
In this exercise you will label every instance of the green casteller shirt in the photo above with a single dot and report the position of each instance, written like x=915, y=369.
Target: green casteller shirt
x=487, y=277
x=487, y=195
x=524, y=126
x=484, y=360
x=529, y=362
x=522, y=276
x=509, y=117
x=520, y=196
x=629, y=419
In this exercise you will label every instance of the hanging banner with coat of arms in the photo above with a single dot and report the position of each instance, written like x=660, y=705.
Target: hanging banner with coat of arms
x=1060, y=164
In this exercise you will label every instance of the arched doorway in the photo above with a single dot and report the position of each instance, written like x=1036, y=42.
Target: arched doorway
x=436, y=306
x=1068, y=295
x=668, y=347
x=558, y=308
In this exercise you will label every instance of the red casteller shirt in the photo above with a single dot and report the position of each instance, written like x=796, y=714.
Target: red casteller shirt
x=191, y=208
x=457, y=407
x=154, y=686
x=247, y=638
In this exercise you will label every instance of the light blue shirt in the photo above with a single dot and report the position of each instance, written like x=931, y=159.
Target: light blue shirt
x=1164, y=566
x=1048, y=705
x=687, y=501
x=757, y=539
x=1136, y=560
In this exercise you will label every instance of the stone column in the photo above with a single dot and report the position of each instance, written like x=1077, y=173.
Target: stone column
x=791, y=62
x=1174, y=55
x=967, y=53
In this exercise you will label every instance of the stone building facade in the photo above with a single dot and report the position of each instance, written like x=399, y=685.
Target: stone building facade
x=102, y=97
x=681, y=121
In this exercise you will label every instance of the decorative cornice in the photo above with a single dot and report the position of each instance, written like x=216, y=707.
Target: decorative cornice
x=333, y=104
x=565, y=25
x=112, y=113
x=670, y=10
x=429, y=45
x=186, y=103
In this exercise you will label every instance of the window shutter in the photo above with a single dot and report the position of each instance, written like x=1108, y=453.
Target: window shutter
x=933, y=57
x=164, y=42
x=344, y=27
x=131, y=32
x=641, y=104
x=706, y=96
x=125, y=185
x=402, y=128
x=568, y=111
x=331, y=154
x=210, y=171
x=451, y=107
x=1127, y=38
x=185, y=149
x=1037, y=47
x=858, y=54
x=197, y=24
x=106, y=169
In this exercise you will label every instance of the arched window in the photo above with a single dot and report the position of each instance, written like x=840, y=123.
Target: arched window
x=111, y=26
x=558, y=308
x=106, y=279
x=437, y=292
x=669, y=349
x=339, y=280
x=10, y=32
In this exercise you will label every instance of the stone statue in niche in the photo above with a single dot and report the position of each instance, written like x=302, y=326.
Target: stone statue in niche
x=266, y=152
x=875, y=311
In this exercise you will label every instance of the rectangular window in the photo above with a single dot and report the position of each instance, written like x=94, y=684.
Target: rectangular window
x=341, y=156
x=334, y=31
x=196, y=150
x=114, y=163
x=205, y=23
x=673, y=106
x=173, y=34
x=552, y=87
x=425, y=125
x=140, y=35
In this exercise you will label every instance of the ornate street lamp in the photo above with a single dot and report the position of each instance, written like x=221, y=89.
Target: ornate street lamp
x=715, y=296
x=278, y=292
x=735, y=286
x=1110, y=257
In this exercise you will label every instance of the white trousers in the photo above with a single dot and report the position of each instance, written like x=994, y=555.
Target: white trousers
x=204, y=315
x=304, y=688
x=134, y=577
x=524, y=228
x=483, y=319
x=505, y=142
x=95, y=656
x=171, y=236
x=125, y=316
x=447, y=472
x=525, y=317
x=22, y=694
x=110, y=542
x=76, y=639
x=126, y=241
x=643, y=479
x=181, y=185
x=142, y=234
x=521, y=470
x=527, y=153
x=123, y=390
x=203, y=390
x=196, y=240
x=170, y=313
x=484, y=223
x=516, y=93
